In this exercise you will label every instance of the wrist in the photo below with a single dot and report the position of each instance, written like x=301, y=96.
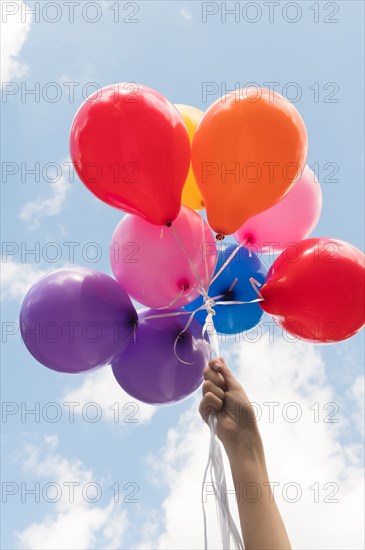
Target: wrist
x=246, y=448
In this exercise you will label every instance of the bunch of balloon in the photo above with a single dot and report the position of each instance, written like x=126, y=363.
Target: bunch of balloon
x=244, y=162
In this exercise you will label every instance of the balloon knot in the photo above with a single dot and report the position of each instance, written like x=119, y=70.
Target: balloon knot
x=168, y=224
x=209, y=305
x=219, y=236
x=184, y=285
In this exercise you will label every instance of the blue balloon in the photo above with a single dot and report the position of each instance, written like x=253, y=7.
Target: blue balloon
x=233, y=319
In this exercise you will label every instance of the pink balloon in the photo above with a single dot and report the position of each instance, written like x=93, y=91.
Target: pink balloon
x=290, y=220
x=149, y=260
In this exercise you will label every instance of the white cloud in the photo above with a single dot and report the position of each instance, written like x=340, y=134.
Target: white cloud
x=357, y=394
x=305, y=452
x=70, y=525
x=17, y=278
x=185, y=14
x=32, y=211
x=14, y=33
x=116, y=405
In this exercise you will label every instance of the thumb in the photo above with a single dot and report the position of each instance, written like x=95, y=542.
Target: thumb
x=219, y=365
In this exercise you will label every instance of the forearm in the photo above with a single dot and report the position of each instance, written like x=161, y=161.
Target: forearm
x=261, y=523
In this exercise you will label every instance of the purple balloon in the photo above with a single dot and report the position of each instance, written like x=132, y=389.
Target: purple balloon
x=76, y=319
x=150, y=371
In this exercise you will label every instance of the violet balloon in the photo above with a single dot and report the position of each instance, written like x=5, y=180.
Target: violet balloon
x=76, y=319
x=152, y=262
x=149, y=369
x=290, y=220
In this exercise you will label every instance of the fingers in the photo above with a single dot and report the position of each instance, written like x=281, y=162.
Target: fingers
x=210, y=404
x=214, y=376
x=220, y=367
x=213, y=391
x=211, y=387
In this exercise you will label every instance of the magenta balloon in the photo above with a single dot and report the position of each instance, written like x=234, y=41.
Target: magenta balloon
x=290, y=220
x=150, y=263
x=150, y=371
x=76, y=319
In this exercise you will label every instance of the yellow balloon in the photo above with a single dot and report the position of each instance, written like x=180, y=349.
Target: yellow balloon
x=191, y=195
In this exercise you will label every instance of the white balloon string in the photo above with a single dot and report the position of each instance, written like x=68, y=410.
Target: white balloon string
x=215, y=465
x=237, y=302
x=256, y=285
x=205, y=306
x=193, y=268
x=174, y=300
x=182, y=312
x=209, y=305
x=161, y=315
x=178, y=337
x=228, y=261
x=212, y=334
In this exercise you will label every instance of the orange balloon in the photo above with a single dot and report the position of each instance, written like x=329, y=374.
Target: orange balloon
x=191, y=195
x=248, y=151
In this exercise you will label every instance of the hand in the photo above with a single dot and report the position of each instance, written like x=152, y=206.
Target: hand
x=224, y=396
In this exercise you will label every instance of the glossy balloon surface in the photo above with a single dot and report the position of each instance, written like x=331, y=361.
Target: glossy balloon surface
x=315, y=290
x=160, y=266
x=130, y=147
x=247, y=151
x=191, y=195
x=151, y=371
x=290, y=220
x=76, y=319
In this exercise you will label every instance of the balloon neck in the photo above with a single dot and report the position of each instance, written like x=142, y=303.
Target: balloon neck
x=228, y=295
x=219, y=236
x=168, y=224
x=249, y=240
x=184, y=285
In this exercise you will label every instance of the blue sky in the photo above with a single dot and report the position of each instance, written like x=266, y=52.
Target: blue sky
x=171, y=49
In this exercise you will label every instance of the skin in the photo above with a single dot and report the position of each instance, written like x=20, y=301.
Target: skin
x=261, y=522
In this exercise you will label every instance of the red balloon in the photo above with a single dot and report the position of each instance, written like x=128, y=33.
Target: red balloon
x=315, y=290
x=130, y=147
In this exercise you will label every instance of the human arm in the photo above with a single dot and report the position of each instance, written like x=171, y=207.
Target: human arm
x=261, y=522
